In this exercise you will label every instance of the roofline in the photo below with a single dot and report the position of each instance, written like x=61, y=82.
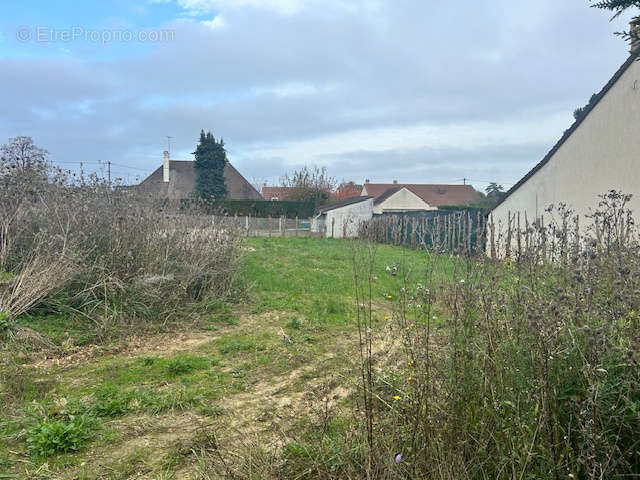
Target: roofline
x=388, y=193
x=343, y=203
x=625, y=66
x=228, y=163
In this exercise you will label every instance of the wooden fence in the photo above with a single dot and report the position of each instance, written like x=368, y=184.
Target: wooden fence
x=442, y=231
x=555, y=237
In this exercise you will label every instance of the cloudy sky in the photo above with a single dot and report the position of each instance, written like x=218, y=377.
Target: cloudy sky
x=414, y=90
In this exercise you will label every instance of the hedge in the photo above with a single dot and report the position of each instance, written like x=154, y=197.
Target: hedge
x=258, y=208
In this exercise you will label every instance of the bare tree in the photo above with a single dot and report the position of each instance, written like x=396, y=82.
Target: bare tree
x=309, y=184
x=20, y=156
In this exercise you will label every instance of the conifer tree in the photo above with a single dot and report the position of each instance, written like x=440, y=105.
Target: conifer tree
x=618, y=7
x=211, y=159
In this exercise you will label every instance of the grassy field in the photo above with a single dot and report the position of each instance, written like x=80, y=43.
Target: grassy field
x=245, y=377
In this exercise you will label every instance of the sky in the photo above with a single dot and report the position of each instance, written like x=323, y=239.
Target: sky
x=409, y=90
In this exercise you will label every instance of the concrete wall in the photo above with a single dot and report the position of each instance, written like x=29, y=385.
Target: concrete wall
x=603, y=153
x=318, y=224
x=402, y=201
x=344, y=220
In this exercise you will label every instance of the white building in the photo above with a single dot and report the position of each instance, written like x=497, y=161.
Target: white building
x=398, y=198
x=342, y=219
x=600, y=152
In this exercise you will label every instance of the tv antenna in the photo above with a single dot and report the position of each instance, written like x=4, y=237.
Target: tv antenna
x=169, y=143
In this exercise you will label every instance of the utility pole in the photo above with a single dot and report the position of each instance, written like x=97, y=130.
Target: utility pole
x=109, y=173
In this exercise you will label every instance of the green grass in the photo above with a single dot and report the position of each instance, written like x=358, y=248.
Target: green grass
x=315, y=276
x=300, y=309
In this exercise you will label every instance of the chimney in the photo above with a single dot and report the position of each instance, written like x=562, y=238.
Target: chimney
x=634, y=31
x=395, y=182
x=165, y=166
x=366, y=181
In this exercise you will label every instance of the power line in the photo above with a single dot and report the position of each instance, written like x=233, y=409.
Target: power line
x=132, y=168
x=108, y=164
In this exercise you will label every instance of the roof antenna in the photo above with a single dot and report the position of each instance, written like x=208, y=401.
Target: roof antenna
x=169, y=144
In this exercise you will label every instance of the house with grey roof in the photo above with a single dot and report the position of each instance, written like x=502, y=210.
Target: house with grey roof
x=342, y=219
x=176, y=180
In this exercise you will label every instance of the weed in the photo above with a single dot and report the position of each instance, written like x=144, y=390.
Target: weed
x=4, y=321
x=5, y=460
x=184, y=364
x=221, y=312
x=535, y=368
x=148, y=361
x=294, y=324
x=110, y=401
x=51, y=437
x=239, y=343
x=212, y=410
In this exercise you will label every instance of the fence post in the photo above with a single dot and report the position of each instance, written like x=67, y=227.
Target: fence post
x=280, y=226
x=270, y=225
x=246, y=225
x=519, y=238
x=507, y=250
x=492, y=233
x=297, y=225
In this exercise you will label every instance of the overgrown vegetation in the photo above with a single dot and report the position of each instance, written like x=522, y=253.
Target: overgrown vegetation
x=533, y=373
x=421, y=365
x=78, y=247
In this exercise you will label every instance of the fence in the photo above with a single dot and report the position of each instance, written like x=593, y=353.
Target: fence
x=268, y=226
x=442, y=231
x=552, y=237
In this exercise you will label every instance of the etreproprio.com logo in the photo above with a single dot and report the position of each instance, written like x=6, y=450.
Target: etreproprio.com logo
x=47, y=34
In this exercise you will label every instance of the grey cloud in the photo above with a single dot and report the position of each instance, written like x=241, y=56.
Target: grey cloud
x=406, y=62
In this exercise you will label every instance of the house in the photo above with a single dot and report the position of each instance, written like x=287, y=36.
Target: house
x=342, y=219
x=600, y=152
x=176, y=179
x=276, y=194
x=347, y=190
x=398, y=198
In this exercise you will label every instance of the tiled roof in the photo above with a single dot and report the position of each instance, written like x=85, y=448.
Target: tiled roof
x=281, y=193
x=434, y=195
x=182, y=182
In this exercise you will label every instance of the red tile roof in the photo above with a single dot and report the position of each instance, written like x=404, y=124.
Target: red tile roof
x=280, y=193
x=434, y=195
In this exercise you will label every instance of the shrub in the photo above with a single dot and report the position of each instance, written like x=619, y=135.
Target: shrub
x=108, y=252
x=48, y=438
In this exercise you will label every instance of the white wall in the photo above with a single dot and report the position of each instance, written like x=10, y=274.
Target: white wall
x=401, y=201
x=347, y=219
x=318, y=224
x=603, y=153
